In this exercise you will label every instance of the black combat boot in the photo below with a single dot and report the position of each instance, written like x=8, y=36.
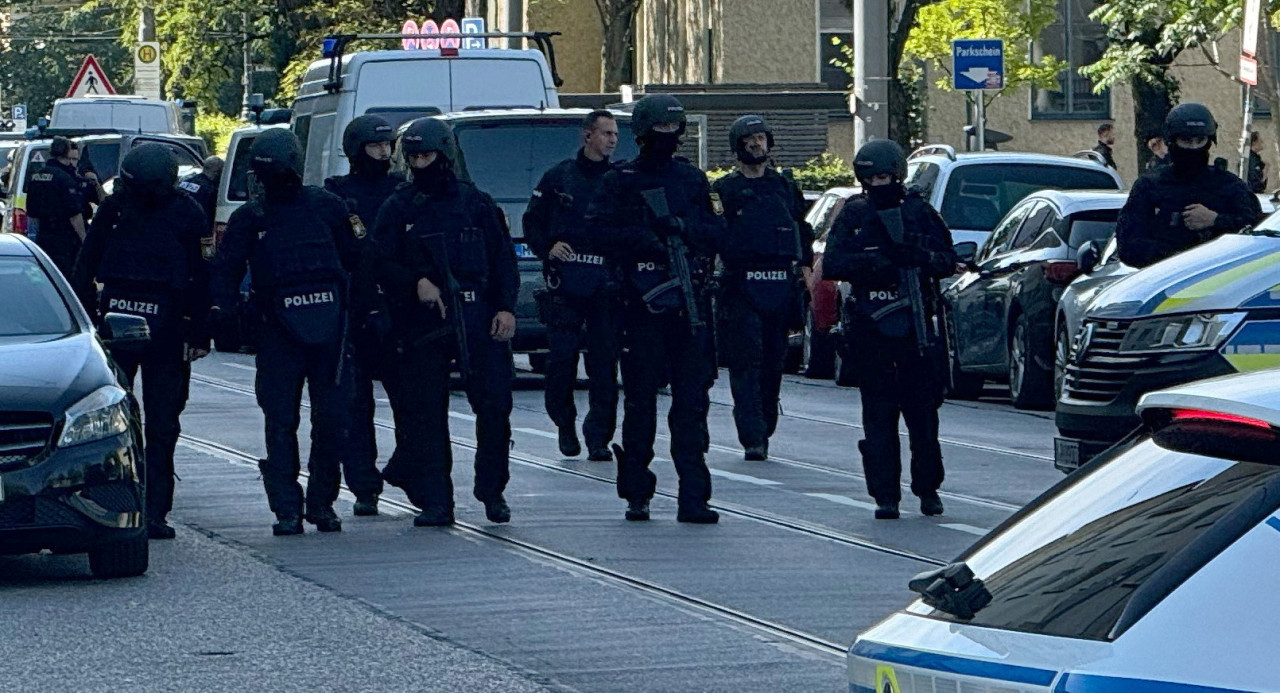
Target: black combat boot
x=569, y=445
x=325, y=520
x=600, y=454
x=434, y=516
x=637, y=510
x=756, y=453
x=287, y=525
x=886, y=511
x=366, y=506
x=931, y=504
x=497, y=511
x=698, y=514
x=159, y=529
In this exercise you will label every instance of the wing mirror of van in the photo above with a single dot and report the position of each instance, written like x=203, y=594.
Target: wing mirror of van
x=276, y=116
x=966, y=251
x=1087, y=257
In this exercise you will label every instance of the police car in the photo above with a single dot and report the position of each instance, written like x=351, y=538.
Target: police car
x=1152, y=570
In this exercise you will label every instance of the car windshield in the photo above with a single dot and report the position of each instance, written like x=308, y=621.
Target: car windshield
x=138, y=117
x=507, y=158
x=1096, y=225
x=400, y=116
x=1103, y=548
x=33, y=307
x=238, y=184
x=979, y=195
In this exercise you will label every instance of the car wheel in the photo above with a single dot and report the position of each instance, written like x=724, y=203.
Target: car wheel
x=962, y=385
x=538, y=362
x=1030, y=385
x=1061, y=353
x=128, y=558
x=819, y=351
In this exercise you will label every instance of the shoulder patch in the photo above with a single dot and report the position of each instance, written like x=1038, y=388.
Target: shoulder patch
x=189, y=186
x=716, y=205
x=357, y=227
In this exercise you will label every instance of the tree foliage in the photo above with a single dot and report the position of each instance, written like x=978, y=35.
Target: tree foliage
x=38, y=61
x=1016, y=21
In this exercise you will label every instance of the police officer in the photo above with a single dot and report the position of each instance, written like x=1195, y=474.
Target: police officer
x=203, y=187
x=582, y=290
x=888, y=243
x=368, y=143
x=768, y=249
x=1186, y=203
x=304, y=254
x=655, y=216
x=144, y=248
x=56, y=201
x=448, y=268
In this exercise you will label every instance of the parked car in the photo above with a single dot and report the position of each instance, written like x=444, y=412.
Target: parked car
x=821, y=310
x=1208, y=311
x=1153, y=569
x=102, y=153
x=974, y=191
x=233, y=187
x=1098, y=270
x=71, y=446
x=999, y=316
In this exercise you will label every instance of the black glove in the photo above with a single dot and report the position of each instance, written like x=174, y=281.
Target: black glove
x=378, y=323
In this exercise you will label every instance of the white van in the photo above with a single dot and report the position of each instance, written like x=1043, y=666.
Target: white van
x=117, y=112
x=403, y=85
x=233, y=188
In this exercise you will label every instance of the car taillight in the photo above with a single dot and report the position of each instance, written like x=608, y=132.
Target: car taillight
x=1204, y=415
x=20, y=220
x=1215, y=434
x=1061, y=271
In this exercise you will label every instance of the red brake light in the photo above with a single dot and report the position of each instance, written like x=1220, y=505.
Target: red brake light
x=1061, y=271
x=20, y=220
x=1202, y=415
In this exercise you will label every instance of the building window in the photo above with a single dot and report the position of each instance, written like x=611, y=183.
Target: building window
x=1079, y=41
x=835, y=20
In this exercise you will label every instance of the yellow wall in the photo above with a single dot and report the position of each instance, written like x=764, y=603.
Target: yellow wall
x=578, y=48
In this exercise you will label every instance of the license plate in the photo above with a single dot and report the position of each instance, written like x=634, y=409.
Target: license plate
x=524, y=252
x=1066, y=454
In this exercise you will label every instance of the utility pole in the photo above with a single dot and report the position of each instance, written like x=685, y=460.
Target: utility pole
x=246, y=79
x=870, y=104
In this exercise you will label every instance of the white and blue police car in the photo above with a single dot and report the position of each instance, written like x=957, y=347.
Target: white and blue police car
x=1154, y=569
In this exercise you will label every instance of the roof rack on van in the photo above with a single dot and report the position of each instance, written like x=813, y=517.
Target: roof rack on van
x=1090, y=155
x=336, y=46
x=943, y=149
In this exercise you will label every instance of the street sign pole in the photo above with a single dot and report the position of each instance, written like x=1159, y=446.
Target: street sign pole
x=1248, y=75
x=976, y=66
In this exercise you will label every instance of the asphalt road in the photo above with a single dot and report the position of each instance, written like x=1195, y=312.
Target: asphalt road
x=568, y=596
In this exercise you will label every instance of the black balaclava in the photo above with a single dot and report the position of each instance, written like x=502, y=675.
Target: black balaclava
x=365, y=165
x=885, y=196
x=659, y=145
x=434, y=177
x=1188, y=162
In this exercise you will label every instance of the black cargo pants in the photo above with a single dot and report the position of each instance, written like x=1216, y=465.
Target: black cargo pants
x=566, y=319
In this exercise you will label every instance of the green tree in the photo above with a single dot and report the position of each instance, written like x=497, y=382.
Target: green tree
x=46, y=47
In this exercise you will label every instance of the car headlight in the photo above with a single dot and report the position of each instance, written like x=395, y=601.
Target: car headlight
x=1180, y=332
x=102, y=414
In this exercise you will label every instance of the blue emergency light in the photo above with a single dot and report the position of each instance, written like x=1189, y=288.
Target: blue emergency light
x=329, y=47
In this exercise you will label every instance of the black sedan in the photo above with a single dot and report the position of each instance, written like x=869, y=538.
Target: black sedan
x=999, y=315
x=71, y=462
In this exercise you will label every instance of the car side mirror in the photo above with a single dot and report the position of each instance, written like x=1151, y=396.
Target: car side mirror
x=1087, y=257
x=124, y=331
x=966, y=251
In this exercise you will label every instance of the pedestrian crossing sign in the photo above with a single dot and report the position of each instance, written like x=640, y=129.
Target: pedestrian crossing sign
x=90, y=79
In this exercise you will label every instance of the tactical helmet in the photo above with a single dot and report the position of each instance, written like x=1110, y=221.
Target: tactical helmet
x=149, y=170
x=655, y=109
x=429, y=135
x=880, y=156
x=745, y=126
x=367, y=129
x=275, y=152
x=1190, y=120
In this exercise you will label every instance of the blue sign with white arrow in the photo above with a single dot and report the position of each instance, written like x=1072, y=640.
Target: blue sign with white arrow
x=977, y=64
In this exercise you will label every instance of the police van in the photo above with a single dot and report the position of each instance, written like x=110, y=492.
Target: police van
x=1152, y=570
x=403, y=85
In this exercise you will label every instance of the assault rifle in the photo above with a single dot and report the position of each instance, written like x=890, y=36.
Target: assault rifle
x=677, y=257
x=908, y=279
x=453, y=293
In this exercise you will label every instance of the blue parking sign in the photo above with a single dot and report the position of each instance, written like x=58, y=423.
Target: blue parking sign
x=977, y=64
x=20, y=112
x=473, y=25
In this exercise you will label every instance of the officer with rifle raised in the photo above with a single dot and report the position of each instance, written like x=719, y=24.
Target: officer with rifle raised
x=892, y=247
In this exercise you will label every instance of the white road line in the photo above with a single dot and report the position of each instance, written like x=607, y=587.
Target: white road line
x=241, y=366
x=843, y=500
x=967, y=529
x=744, y=478
x=464, y=417
x=536, y=432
